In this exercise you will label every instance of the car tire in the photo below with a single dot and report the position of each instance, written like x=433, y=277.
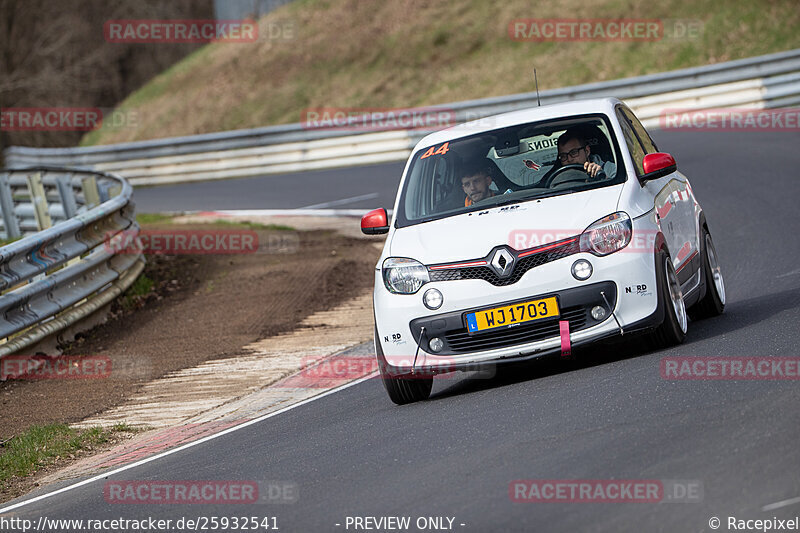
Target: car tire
x=402, y=388
x=713, y=301
x=672, y=329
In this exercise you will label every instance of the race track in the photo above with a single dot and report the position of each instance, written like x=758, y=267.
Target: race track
x=607, y=415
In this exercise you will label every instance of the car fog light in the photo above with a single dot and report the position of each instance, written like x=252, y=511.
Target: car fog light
x=436, y=344
x=581, y=269
x=432, y=299
x=598, y=313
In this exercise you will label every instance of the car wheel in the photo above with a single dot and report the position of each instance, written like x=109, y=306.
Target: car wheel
x=402, y=388
x=713, y=302
x=672, y=330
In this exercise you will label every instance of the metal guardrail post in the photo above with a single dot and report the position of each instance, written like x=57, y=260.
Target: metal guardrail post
x=7, y=207
x=39, y=200
x=91, y=194
x=67, y=195
x=113, y=190
x=54, y=277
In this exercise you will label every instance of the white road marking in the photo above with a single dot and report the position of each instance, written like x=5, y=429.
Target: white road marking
x=792, y=273
x=778, y=505
x=342, y=201
x=105, y=475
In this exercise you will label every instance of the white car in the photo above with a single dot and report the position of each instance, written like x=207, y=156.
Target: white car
x=530, y=233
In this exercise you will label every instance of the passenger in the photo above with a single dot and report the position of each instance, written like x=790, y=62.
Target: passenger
x=475, y=182
x=573, y=150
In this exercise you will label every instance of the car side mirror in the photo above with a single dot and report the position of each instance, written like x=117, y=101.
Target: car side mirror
x=657, y=165
x=375, y=222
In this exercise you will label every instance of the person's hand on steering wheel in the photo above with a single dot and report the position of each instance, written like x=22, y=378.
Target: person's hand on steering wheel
x=592, y=168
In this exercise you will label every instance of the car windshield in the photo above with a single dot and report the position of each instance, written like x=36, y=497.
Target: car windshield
x=510, y=165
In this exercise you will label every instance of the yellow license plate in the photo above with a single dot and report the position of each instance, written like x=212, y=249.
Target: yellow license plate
x=512, y=314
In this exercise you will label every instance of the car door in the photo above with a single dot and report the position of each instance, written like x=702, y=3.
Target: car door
x=685, y=255
x=666, y=191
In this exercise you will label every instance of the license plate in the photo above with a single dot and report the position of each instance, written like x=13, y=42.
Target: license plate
x=509, y=315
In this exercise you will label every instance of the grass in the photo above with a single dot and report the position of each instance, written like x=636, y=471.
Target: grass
x=3, y=242
x=138, y=290
x=251, y=225
x=354, y=53
x=40, y=446
x=159, y=218
x=143, y=285
x=153, y=218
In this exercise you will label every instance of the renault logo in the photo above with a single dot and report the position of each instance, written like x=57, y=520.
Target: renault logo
x=502, y=262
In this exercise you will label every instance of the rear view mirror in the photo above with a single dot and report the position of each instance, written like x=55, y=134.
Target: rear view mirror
x=375, y=222
x=506, y=145
x=657, y=165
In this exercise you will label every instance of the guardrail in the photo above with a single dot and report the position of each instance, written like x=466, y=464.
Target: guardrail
x=58, y=274
x=767, y=81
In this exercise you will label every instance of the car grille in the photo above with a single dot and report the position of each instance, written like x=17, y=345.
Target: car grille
x=460, y=341
x=523, y=265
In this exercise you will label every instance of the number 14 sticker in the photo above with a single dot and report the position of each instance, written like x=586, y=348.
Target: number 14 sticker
x=441, y=151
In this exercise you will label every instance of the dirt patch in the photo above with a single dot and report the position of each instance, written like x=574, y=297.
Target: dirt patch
x=202, y=307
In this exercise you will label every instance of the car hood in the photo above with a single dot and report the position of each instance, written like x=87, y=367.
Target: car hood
x=524, y=225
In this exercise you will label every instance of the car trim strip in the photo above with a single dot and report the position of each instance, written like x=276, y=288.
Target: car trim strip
x=546, y=247
x=686, y=262
x=459, y=265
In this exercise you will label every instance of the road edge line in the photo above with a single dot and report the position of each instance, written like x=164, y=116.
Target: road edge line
x=207, y=438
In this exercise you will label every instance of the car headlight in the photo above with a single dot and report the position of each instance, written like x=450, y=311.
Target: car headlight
x=607, y=235
x=404, y=276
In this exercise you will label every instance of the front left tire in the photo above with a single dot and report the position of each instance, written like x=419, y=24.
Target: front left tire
x=402, y=388
x=672, y=330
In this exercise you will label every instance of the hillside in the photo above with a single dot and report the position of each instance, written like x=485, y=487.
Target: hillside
x=353, y=53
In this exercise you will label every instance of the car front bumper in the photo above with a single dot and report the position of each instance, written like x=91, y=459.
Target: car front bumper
x=624, y=282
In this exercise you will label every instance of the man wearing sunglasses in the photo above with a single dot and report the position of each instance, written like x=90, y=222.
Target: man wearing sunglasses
x=573, y=150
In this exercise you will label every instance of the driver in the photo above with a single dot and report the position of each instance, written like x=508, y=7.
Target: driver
x=573, y=150
x=475, y=182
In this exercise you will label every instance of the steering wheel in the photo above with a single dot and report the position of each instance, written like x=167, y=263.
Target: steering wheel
x=563, y=169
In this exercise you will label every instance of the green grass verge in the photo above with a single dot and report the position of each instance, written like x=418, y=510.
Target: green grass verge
x=40, y=446
x=140, y=287
x=153, y=218
x=425, y=53
x=250, y=225
x=3, y=242
x=137, y=291
x=159, y=218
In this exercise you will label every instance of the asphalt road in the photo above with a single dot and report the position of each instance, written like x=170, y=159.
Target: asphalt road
x=343, y=188
x=606, y=415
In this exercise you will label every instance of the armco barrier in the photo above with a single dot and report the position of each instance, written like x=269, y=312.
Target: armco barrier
x=62, y=273
x=767, y=81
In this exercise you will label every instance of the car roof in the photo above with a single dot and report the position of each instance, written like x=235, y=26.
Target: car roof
x=523, y=116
